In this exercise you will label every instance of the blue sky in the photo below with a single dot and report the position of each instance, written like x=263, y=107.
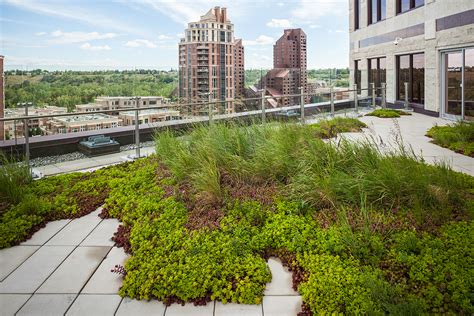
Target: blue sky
x=124, y=34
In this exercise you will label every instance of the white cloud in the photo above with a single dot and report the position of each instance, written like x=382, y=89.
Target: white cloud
x=340, y=31
x=308, y=11
x=141, y=43
x=72, y=12
x=261, y=40
x=87, y=46
x=163, y=37
x=280, y=4
x=40, y=33
x=279, y=23
x=180, y=35
x=60, y=37
x=314, y=26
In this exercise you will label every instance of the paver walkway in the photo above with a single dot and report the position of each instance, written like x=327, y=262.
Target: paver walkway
x=64, y=269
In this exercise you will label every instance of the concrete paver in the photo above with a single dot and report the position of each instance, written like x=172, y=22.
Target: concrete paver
x=129, y=307
x=237, y=310
x=282, y=305
x=11, y=258
x=74, y=272
x=47, y=304
x=103, y=281
x=281, y=283
x=11, y=303
x=75, y=232
x=34, y=271
x=94, y=305
x=190, y=309
x=102, y=234
x=45, y=233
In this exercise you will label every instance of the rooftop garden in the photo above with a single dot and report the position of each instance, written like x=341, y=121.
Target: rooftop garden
x=387, y=113
x=458, y=137
x=363, y=232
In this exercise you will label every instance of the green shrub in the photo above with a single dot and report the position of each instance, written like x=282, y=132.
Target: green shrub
x=13, y=177
x=458, y=137
x=387, y=113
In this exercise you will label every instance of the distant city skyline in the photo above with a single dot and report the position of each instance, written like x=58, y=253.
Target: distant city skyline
x=121, y=34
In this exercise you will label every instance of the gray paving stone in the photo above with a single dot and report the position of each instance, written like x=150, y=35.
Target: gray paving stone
x=74, y=272
x=130, y=307
x=237, y=310
x=103, y=281
x=75, y=232
x=94, y=305
x=281, y=305
x=10, y=258
x=45, y=233
x=190, y=309
x=102, y=234
x=29, y=276
x=281, y=283
x=11, y=303
x=47, y=304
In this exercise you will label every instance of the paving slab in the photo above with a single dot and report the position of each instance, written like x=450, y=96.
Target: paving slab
x=11, y=258
x=129, y=307
x=74, y=272
x=190, y=309
x=238, y=310
x=102, y=234
x=282, y=305
x=35, y=270
x=45, y=233
x=103, y=281
x=11, y=303
x=94, y=305
x=281, y=283
x=75, y=232
x=47, y=304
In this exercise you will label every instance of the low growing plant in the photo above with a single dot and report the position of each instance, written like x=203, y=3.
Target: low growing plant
x=387, y=113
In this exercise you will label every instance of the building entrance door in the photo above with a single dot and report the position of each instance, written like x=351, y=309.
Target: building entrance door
x=458, y=100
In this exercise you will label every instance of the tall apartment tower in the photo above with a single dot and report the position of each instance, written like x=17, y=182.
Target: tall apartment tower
x=2, y=100
x=239, y=69
x=289, y=71
x=208, y=63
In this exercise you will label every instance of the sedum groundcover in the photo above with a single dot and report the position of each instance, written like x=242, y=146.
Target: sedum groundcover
x=362, y=232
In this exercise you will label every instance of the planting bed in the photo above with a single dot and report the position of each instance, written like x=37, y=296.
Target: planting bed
x=458, y=137
x=362, y=232
x=387, y=113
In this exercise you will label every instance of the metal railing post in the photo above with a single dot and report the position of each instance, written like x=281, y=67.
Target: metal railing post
x=262, y=107
x=302, y=105
x=384, y=95
x=356, y=99
x=137, y=128
x=406, y=95
x=27, y=137
x=209, y=109
x=332, y=100
x=372, y=87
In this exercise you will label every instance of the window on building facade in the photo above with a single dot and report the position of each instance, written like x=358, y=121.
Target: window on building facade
x=376, y=11
x=411, y=69
x=406, y=5
x=356, y=14
x=377, y=70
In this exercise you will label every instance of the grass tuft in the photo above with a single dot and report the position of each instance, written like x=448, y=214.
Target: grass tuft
x=458, y=137
x=387, y=113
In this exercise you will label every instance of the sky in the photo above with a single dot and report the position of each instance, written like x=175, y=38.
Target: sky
x=137, y=34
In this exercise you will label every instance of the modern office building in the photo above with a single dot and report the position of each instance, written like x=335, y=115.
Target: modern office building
x=2, y=99
x=113, y=103
x=429, y=44
x=82, y=123
x=207, y=62
x=289, y=71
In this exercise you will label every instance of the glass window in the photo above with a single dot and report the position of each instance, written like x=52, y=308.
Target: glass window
x=356, y=14
x=411, y=69
x=419, y=3
x=376, y=11
x=383, y=8
x=406, y=5
x=377, y=74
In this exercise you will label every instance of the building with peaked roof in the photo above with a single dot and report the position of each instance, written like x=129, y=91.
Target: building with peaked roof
x=211, y=63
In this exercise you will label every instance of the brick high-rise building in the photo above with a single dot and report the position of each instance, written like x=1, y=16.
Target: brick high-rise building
x=239, y=68
x=207, y=62
x=289, y=71
x=2, y=100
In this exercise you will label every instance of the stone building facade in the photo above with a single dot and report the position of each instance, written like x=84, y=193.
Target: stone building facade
x=427, y=43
